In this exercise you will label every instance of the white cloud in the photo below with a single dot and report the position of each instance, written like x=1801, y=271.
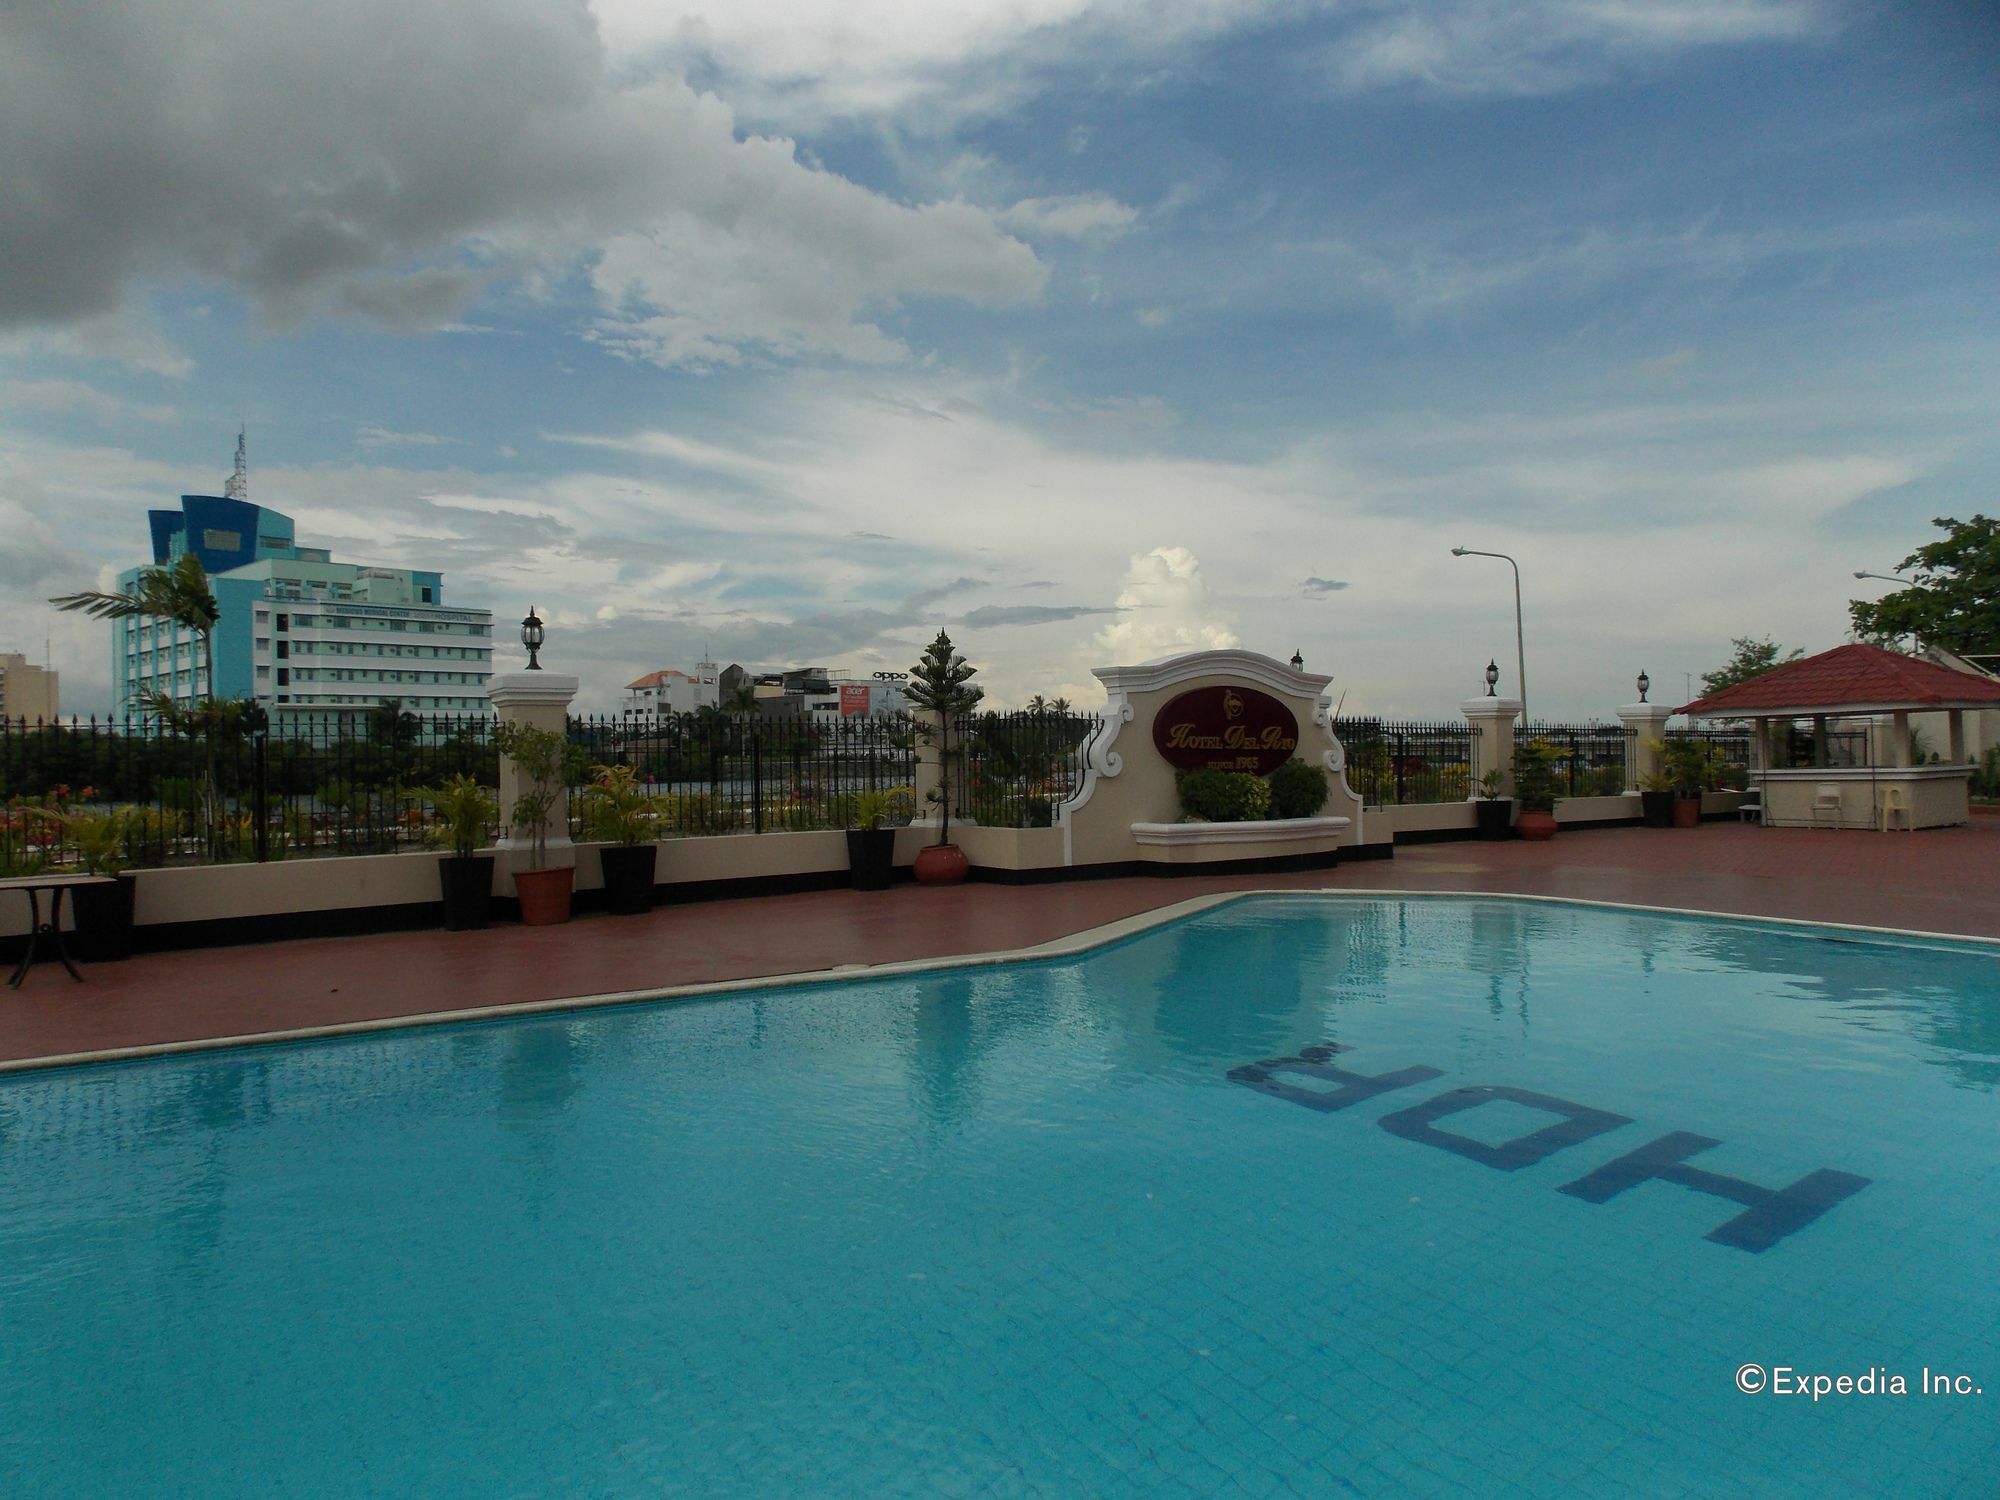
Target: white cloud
x=1168, y=610
x=387, y=161
x=1076, y=216
x=811, y=60
x=1514, y=47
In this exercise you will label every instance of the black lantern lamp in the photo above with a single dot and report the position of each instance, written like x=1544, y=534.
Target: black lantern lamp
x=1644, y=683
x=531, y=637
x=1492, y=678
x=1298, y=661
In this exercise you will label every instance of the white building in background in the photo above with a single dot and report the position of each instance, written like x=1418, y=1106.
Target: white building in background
x=670, y=691
x=319, y=643
x=27, y=691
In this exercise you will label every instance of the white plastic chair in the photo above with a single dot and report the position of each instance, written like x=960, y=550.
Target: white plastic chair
x=1894, y=802
x=1826, y=798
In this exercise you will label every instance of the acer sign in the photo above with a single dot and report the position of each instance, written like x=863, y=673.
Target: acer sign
x=853, y=699
x=1226, y=729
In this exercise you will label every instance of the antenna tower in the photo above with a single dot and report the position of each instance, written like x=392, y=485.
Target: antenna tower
x=238, y=487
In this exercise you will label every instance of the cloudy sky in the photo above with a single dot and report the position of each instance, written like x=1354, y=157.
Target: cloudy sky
x=1086, y=329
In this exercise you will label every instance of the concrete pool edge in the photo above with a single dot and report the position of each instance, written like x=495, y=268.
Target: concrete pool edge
x=1069, y=945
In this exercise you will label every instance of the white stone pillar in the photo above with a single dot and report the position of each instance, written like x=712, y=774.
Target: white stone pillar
x=1955, y=718
x=1492, y=720
x=540, y=699
x=1899, y=738
x=1644, y=722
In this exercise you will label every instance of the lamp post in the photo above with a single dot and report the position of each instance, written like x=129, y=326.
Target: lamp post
x=1298, y=661
x=1520, y=645
x=1492, y=677
x=531, y=637
x=1909, y=583
x=1644, y=683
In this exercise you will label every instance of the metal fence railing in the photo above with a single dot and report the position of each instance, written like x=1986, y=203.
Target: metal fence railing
x=717, y=773
x=1594, y=756
x=1392, y=764
x=1732, y=750
x=1020, y=767
x=225, y=785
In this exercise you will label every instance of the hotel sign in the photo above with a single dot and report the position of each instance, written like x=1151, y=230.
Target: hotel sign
x=1226, y=729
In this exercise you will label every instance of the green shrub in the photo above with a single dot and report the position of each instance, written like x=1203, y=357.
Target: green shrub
x=1538, y=780
x=1986, y=780
x=1298, y=790
x=1224, y=796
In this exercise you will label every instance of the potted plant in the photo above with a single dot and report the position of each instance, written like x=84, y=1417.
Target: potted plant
x=540, y=755
x=1656, y=792
x=1494, y=812
x=1537, y=788
x=871, y=840
x=940, y=684
x=1687, y=768
x=465, y=811
x=103, y=912
x=618, y=810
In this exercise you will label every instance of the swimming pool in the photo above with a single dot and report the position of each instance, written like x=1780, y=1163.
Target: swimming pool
x=1267, y=1201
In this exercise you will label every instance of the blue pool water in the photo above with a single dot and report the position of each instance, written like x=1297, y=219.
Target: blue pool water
x=1016, y=1230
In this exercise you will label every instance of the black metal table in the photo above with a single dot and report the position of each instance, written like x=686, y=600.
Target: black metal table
x=57, y=885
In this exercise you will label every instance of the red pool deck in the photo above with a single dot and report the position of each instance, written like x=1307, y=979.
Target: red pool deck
x=1941, y=881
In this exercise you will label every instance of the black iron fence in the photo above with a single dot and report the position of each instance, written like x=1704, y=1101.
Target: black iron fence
x=1731, y=748
x=1392, y=764
x=716, y=773
x=225, y=786
x=1018, y=768
x=1593, y=756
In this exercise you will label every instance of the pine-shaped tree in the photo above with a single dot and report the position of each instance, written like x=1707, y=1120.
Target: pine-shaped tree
x=941, y=683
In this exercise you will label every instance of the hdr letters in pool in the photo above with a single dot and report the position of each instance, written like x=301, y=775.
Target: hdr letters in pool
x=1768, y=1216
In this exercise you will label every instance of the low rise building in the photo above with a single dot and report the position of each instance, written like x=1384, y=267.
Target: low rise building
x=26, y=691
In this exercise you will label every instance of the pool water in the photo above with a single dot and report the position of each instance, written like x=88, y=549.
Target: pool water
x=1017, y=1229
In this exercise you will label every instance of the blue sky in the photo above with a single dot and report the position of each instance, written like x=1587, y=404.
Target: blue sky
x=1088, y=330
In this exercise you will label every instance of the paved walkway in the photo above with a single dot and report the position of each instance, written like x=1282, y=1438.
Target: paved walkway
x=1944, y=880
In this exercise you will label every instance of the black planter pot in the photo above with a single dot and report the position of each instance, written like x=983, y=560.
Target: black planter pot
x=871, y=856
x=103, y=920
x=628, y=877
x=468, y=891
x=1496, y=818
x=1657, y=809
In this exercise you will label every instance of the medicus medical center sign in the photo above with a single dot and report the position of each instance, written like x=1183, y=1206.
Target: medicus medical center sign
x=1226, y=729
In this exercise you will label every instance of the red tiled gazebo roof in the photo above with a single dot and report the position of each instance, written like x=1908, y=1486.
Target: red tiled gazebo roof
x=1850, y=679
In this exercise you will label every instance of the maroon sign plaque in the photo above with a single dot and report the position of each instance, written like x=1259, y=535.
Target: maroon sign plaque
x=1226, y=729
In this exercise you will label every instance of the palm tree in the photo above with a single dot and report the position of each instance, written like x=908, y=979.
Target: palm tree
x=178, y=592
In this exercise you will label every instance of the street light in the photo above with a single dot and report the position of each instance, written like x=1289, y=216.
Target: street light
x=1885, y=577
x=1298, y=661
x=1644, y=683
x=1492, y=677
x=1520, y=645
x=531, y=637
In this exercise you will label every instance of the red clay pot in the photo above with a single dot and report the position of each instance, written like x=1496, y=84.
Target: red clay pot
x=544, y=895
x=1536, y=825
x=1687, y=812
x=941, y=864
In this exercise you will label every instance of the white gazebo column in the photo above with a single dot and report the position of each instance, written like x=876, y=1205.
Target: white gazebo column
x=1956, y=719
x=1899, y=738
x=1646, y=723
x=1492, y=720
x=540, y=699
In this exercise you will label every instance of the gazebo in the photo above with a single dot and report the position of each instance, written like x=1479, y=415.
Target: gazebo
x=1855, y=682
